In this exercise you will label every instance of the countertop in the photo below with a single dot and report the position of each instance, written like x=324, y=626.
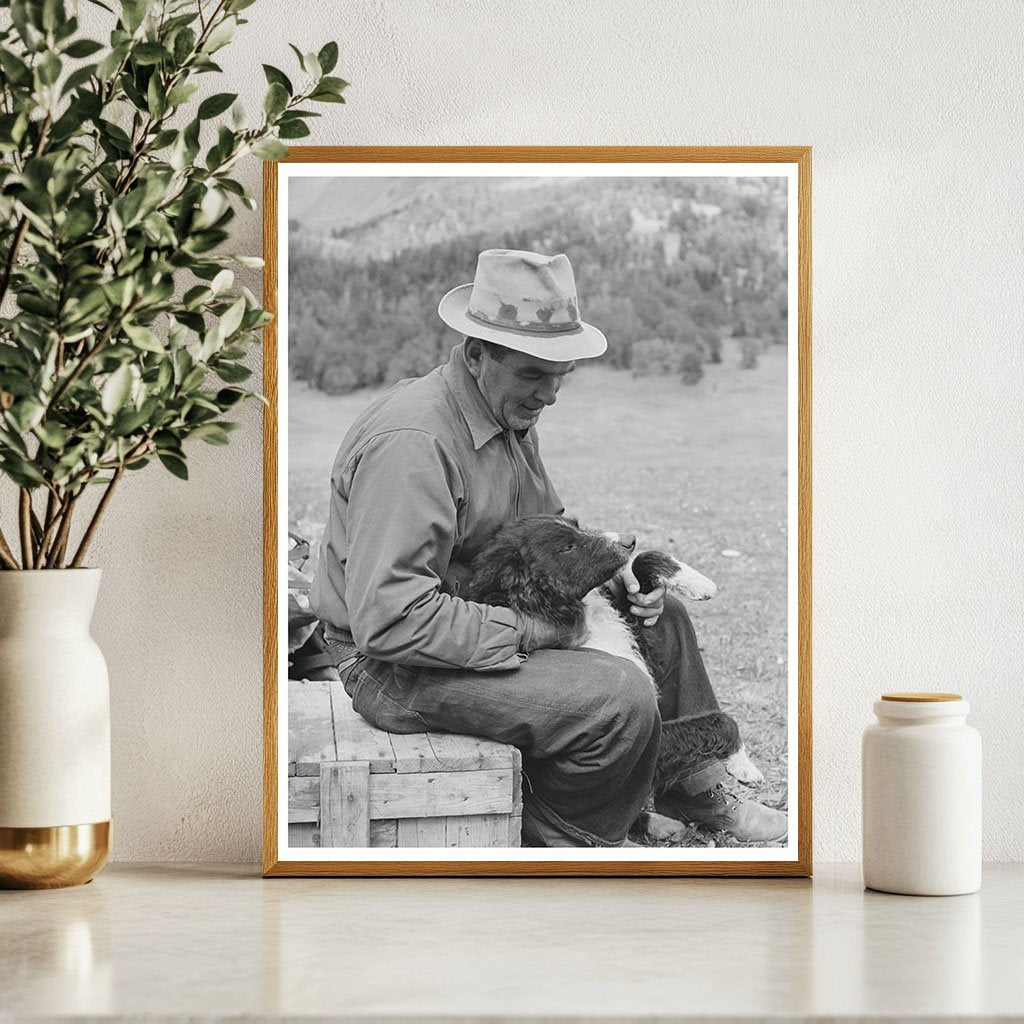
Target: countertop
x=179, y=941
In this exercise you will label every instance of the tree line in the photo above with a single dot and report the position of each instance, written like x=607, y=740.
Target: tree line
x=665, y=291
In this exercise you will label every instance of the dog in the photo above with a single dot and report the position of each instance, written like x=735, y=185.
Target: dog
x=548, y=567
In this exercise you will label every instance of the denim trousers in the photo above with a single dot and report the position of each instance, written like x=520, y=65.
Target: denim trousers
x=588, y=724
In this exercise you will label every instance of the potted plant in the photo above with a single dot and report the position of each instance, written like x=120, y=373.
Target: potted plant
x=122, y=341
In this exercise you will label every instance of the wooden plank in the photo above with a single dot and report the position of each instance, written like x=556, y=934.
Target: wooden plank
x=421, y=832
x=438, y=794
x=306, y=834
x=303, y=799
x=310, y=730
x=414, y=753
x=515, y=830
x=384, y=833
x=344, y=804
x=357, y=740
x=477, y=831
x=457, y=753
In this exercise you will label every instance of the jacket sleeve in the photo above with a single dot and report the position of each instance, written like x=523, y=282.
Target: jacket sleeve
x=403, y=495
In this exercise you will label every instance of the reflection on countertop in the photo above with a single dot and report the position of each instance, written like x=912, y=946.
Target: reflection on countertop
x=178, y=941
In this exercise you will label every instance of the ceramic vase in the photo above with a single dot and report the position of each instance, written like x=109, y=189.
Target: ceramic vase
x=54, y=731
x=921, y=778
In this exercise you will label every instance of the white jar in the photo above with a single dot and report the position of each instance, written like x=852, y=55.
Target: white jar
x=921, y=779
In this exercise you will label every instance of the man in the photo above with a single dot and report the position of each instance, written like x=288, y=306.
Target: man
x=422, y=480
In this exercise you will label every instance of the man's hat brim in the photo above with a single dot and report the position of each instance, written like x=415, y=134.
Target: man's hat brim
x=585, y=342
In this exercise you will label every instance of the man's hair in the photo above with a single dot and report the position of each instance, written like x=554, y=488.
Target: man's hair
x=495, y=351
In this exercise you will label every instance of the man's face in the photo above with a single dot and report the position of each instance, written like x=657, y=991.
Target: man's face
x=518, y=387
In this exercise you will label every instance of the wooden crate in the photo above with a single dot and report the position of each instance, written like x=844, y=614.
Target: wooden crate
x=351, y=785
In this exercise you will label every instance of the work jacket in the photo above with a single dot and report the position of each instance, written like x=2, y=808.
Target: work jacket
x=423, y=479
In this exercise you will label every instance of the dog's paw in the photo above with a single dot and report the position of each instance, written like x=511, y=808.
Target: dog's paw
x=740, y=767
x=690, y=583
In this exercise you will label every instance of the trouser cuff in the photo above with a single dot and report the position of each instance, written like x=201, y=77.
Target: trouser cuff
x=550, y=829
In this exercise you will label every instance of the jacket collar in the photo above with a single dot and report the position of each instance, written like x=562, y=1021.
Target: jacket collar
x=475, y=411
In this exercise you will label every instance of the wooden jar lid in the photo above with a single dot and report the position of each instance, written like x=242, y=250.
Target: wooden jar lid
x=921, y=698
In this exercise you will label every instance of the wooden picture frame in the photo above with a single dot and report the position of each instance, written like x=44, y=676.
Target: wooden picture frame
x=334, y=782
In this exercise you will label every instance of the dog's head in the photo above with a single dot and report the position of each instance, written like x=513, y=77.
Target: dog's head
x=539, y=559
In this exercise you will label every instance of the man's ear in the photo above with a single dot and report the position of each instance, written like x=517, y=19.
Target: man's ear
x=474, y=351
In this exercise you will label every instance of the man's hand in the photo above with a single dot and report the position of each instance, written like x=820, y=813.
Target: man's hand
x=646, y=607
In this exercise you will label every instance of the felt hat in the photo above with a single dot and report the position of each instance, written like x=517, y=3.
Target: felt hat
x=524, y=301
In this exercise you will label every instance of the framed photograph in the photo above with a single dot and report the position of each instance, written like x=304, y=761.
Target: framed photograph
x=538, y=511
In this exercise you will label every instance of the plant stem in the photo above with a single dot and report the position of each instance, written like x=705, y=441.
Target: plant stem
x=25, y=522
x=56, y=555
x=54, y=509
x=94, y=523
x=6, y=554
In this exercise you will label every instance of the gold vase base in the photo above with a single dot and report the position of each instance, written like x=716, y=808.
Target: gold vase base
x=53, y=857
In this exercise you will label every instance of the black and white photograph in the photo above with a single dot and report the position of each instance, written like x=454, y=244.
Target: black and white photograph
x=537, y=514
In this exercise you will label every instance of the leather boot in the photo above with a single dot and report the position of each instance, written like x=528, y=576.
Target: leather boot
x=721, y=809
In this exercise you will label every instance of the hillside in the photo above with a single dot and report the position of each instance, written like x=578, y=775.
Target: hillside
x=684, y=260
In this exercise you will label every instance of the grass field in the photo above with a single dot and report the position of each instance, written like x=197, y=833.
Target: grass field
x=695, y=470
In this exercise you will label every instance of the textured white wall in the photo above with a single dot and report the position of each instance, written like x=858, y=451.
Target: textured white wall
x=914, y=113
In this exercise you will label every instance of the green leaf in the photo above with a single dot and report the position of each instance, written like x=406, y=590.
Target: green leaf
x=181, y=94
x=334, y=84
x=274, y=75
x=221, y=35
x=227, y=397
x=211, y=433
x=109, y=65
x=27, y=23
x=214, y=105
x=21, y=471
x=232, y=373
x=293, y=130
x=11, y=356
x=184, y=44
x=222, y=282
x=269, y=149
x=328, y=57
x=116, y=390
x=53, y=435
x=163, y=139
x=324, y=96
x=144, y=338
x=49, y=68
x=232, y=319
x=311, y=65
x=193, y=379
x=149, y=53
x=16, y=70
x=174, y=464
x=128, y=421
x=276, y=99
x=133, y=12
x=83, y=48
x=26, y=414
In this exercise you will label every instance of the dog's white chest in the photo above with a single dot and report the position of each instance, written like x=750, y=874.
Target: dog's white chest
x=607, y=630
